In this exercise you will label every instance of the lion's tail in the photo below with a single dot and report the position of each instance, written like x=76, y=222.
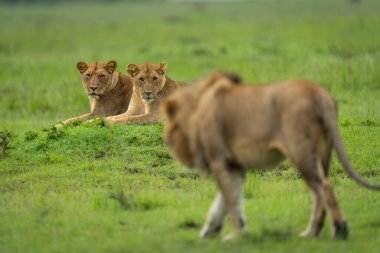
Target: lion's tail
x=329, y=118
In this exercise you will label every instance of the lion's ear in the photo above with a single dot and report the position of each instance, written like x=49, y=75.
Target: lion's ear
x=133, y=69
x=82, y=66
x=234, y=78
x=111, y=66
x=170, y=108
x=162, y=67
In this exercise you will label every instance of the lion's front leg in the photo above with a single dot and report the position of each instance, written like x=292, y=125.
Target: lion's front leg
x=83, y=117
x=149, y=118
x=111, y=118
x=215, y=217
x=130, y=112
x=230, y=182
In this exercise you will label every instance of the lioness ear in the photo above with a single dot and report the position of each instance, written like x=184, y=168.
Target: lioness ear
x=133, y=69
x=82, y=66
x=235, y=78
x=162, y=67
x=111, y=66
x=170, y=108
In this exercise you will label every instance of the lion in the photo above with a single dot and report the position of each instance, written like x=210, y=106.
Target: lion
x=225, y=129
x=108, y=90
x=150, y=87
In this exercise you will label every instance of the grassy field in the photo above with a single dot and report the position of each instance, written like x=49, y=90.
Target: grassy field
x=96, y=188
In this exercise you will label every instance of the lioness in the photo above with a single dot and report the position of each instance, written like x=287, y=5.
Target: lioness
x=108, y=90
x=226, y=129
x=150, y=87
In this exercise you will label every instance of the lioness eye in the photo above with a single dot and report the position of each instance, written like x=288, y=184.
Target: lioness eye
x=102, y=76
x=141, y=79
x=88, y=75
x=154, y=79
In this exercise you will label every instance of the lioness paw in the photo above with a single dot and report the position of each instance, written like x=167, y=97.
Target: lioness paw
x=306, y=233
x=230, y=237
x=341, y=230
x=59, y=126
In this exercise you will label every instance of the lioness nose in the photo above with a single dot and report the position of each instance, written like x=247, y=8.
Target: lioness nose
x=93, y=88
x=148, y=93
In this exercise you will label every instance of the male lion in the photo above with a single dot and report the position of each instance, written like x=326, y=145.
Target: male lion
x=109, y=91
x=150, y=87
x=225, y=129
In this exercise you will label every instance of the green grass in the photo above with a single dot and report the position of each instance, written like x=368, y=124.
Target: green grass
x=95, y=188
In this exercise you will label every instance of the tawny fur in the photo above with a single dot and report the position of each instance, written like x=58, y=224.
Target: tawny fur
x=108, y=90
x=150, y=87
x=226, y=129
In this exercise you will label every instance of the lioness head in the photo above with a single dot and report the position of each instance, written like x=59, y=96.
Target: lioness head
x=148, y=79
x=178, y=112
x=98, y=77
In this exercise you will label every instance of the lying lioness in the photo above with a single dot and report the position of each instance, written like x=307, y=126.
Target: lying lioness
x=151, y=86
x=108, y=90
x=225, y=128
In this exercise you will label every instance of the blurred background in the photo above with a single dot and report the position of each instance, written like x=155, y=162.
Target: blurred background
x=335, y=43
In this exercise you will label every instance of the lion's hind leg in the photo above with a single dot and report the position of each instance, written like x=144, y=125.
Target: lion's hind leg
x=318, y=214
x=324, y=198
x=340, y=227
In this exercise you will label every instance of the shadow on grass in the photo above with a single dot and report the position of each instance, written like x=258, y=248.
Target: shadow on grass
x=131, y=202
x=189, y=224
x=269, y=234
x=170, y=175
